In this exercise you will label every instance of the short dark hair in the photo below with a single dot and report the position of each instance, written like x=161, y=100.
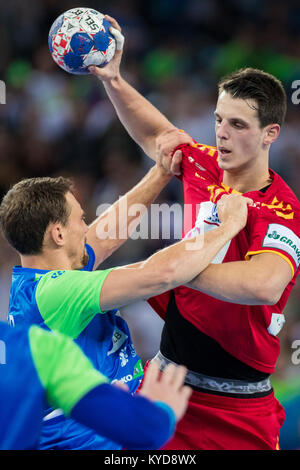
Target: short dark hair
x=29, y=207
x=264, y=88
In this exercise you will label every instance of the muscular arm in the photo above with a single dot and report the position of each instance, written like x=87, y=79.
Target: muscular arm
x=141, y=119
x=143, y=122
x=166, y=269
x=112, y=228
x=260, y=281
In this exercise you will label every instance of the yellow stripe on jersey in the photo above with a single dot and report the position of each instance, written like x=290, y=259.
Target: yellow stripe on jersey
x=281, y=208
x=215, y=190
x=211, y=149
x=229, y=189
x=251, y=253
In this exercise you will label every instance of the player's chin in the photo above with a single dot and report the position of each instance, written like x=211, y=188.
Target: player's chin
x=81, y=263
x=85, y=259
x=224, y=164
x=227, y=162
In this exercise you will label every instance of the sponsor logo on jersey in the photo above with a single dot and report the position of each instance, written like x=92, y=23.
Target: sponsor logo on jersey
x=137, y=372
x=276, y=324
x=282, y=238
x=207, y=220
x=118, y=338
x=208, y=213
x=123, y=357
x=56, y=274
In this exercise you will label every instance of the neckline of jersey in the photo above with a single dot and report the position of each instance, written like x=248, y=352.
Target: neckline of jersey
x=20, y=270
x=260, y=191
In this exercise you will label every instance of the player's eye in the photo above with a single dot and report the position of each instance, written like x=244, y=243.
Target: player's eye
x=237, y=125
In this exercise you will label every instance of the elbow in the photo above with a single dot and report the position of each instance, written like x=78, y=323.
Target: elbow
x=268, y=299
x=169, y=277
x=166, y=277
x=267, y=294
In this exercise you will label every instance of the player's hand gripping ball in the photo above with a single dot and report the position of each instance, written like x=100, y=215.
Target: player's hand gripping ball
x=79, y=38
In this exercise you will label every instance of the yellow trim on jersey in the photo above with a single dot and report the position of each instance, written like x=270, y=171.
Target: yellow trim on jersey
x=251, y=253
x=280, y=210
x=212, y=150
x=206, y=146
x=228, y=189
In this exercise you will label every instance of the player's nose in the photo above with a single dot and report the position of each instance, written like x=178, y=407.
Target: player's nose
x=222, y=131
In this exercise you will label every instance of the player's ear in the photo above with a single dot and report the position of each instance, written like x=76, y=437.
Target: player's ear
x=56, y=234
x=271, y=133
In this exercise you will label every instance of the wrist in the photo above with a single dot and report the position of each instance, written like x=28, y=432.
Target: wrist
x=160, y=173
x=230, y=227
x=113, y=80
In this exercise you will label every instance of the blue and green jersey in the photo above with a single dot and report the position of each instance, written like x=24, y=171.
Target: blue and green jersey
x=38, y=366
x=68, y=301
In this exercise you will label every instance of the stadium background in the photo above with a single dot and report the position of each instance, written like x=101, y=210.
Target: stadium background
x=57, y=124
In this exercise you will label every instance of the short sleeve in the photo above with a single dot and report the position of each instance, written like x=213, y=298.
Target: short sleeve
x=199, y=162
x=273, y=233
x=69, y=300
x=64, y=371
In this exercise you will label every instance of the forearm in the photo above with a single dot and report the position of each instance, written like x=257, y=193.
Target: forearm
x=133, y=422
x=240, y=282
x=187, y=258
x=140, y=118
x=166, y=269
x=112, y=228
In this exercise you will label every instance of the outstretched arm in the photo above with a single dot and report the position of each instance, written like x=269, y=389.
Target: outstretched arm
x=177, y=264
x=141, y=119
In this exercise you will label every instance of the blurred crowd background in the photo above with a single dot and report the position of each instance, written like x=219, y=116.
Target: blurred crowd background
x=54, y=123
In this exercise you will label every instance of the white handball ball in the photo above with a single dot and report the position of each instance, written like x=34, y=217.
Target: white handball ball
x=79, y=38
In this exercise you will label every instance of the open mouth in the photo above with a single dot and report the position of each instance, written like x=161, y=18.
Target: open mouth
x=223, y=151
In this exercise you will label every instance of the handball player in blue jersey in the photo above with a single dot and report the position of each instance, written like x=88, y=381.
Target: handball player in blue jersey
x=56, y=289
x=37, y=365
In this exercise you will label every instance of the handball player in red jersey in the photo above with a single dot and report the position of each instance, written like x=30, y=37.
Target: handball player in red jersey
x=223, y=325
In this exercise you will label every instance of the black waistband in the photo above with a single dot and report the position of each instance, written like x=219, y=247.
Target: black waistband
x=221, y=386
x=183, y=343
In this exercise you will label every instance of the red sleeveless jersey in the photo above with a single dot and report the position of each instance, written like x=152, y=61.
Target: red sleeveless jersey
x=248, y=332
